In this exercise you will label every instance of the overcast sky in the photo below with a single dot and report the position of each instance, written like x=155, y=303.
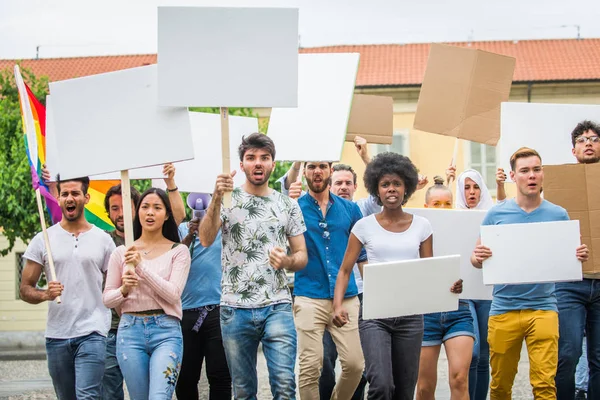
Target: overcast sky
x=65, y=28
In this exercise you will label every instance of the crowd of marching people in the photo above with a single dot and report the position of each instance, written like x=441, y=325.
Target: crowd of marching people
x=210, y=290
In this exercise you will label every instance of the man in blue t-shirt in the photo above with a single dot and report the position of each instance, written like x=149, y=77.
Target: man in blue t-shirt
x=201, y=322
x=526, y=311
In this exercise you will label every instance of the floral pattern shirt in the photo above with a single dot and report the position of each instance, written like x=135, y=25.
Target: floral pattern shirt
x=251, y=228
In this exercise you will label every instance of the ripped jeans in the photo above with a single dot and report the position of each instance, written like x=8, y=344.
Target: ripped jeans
x=149, y=350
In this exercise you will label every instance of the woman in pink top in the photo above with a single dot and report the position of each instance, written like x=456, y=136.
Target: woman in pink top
x=149, y=340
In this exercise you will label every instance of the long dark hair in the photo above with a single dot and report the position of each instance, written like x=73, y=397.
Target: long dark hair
x=169, y=228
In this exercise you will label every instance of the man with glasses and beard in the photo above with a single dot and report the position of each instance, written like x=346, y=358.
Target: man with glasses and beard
x=329, y=220
x=256, y=301
x=579, y=302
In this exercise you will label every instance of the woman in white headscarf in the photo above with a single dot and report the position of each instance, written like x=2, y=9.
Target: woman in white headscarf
x=473, y=194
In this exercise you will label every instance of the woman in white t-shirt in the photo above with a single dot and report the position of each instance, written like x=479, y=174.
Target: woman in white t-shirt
x=391, y=345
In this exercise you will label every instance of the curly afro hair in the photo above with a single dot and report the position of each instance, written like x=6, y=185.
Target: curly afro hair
x=391, y=163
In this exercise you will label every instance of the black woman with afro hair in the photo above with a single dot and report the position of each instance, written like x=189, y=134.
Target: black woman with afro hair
x=391, y=346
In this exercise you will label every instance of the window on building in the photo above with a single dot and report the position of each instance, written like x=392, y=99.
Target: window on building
x=399, y=144
x=483, y=159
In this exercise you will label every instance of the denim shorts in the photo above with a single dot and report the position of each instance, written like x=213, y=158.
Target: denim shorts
x=440, y=327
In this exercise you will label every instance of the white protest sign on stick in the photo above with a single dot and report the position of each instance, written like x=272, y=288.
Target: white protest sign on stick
x=112, y=122
x=544, y=127
x=421, y=286
x=53, y=161
x=456, y=232
x=199, y=175
x=316, y=129
x=248, y=58
x=531, y=253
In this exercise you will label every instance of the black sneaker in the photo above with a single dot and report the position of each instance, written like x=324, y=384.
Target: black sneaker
x=580, y=395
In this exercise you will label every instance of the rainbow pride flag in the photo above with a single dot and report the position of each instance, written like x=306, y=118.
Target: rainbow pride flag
x=33, y=116
x=34, y=126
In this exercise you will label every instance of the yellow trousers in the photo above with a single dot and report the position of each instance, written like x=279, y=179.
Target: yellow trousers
x=505, y=337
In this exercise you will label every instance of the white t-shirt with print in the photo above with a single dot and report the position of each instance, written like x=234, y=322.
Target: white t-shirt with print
x=251, y=228
x=383, y=246
x=80, y=262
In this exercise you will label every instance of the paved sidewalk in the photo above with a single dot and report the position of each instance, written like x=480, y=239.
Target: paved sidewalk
x=29, y=379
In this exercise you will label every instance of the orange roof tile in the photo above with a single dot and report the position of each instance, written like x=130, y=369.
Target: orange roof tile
x=384, y=65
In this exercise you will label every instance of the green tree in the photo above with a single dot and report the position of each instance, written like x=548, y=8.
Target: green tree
x=18, y=210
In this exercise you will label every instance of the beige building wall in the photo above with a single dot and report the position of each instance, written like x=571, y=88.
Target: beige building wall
x=15, y=314
x=432, y=153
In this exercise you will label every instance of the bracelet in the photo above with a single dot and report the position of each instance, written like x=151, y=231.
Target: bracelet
x=172, y=190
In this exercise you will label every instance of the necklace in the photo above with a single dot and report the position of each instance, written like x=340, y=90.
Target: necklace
x=148, y=252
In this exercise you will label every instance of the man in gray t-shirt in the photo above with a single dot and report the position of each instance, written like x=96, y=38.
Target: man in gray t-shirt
x=76, y=329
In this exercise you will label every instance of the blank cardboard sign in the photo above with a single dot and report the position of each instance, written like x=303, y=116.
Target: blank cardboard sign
x=456, y=232
x=200, y=174
x=395, y=289
x=228, y=57
x=112, y=122
x=544, y=127
x=462, y=91
x=316, y=129
x=531, y=253
x=371, y=117
x=53, y=163
x=576, y=187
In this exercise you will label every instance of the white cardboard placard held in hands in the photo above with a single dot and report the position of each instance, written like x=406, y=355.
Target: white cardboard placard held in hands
x=200, y=174
x=531, y=253
x=544, y=127
x=398, y=288
x=228, y=57
x=456, y=232
x=112, y=122
x=53, y=162
x=316, y=129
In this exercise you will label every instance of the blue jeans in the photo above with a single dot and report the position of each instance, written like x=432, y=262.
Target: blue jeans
x=112, y=382
x=479, y=371
x=442, y=326
x=149, y=350
x=578, y=310
x=581, y=372
x=392, y=348
x=76, y=366
x=273, y=326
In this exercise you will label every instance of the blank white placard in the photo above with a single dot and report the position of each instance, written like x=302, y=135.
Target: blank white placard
x=228, y=57
x=456, y=232
x=531, y=253
x=111, y=122
x=316, y=129
x=53, y=162
x=200, y=174
x=395, y=289
x=544, y=127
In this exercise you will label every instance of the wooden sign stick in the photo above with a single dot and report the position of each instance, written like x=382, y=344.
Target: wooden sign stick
x=454, y=155
x=225, y=151
x=300, y=172
x=38, y=197
x=127, y=215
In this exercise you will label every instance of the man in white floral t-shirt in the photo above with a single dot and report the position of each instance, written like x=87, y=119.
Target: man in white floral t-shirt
x=256, y=302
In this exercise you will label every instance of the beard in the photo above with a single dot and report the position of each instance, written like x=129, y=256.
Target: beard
x=258, y=181
x=314, y=188
x=76, y=214
x=117, y=227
